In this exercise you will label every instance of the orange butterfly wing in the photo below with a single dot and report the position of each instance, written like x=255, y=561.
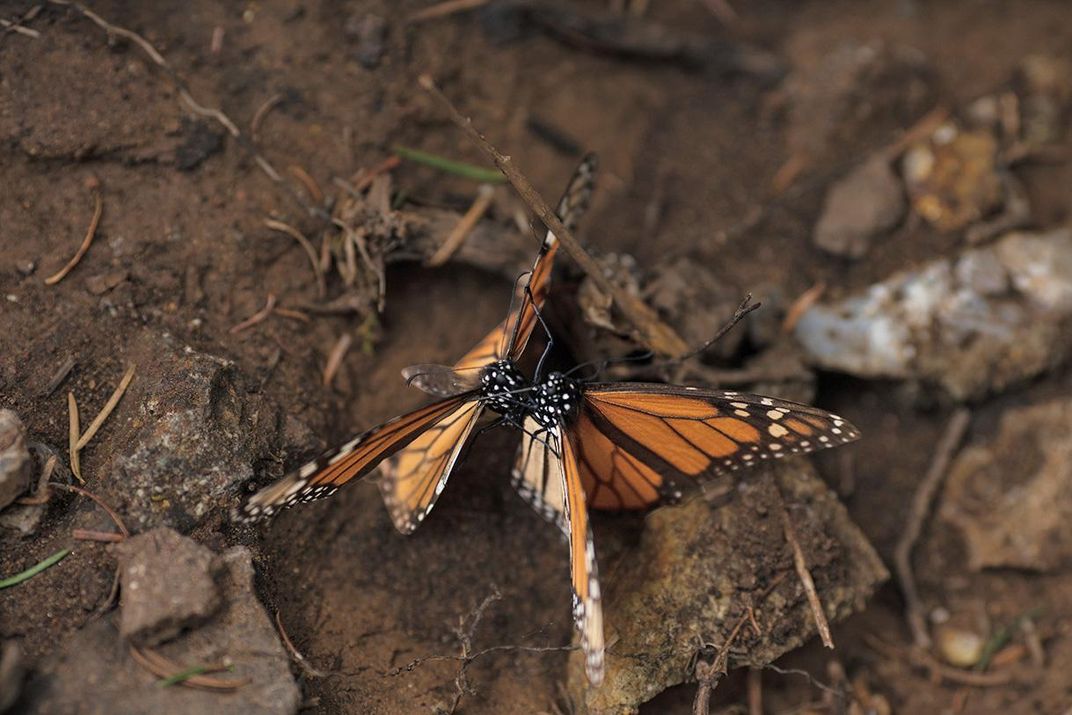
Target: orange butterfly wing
x=641, y=444
x=353, y=460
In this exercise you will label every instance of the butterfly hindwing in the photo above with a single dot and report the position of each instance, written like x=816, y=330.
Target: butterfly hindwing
x=413, y=478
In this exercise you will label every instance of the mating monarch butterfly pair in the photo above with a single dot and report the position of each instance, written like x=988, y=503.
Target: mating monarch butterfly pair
x=616, y=446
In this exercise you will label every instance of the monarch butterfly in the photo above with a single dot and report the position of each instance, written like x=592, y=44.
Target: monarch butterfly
x=626, y=446
x=418, y=450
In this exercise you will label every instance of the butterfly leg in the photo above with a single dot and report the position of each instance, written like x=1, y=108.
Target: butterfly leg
x=547, y=331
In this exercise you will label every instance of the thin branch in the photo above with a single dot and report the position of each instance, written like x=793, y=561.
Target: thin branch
x=801, y=566
x=106, y=410
x=463, y=228
x=924, y=660
x=100, y=502
x=86, y=242
x=650, y=330
x=321, y=286
x=917, y=516
x=708, y=674
x=304, y=664
x=72, y=436
x=444, y=9
x=257, y=317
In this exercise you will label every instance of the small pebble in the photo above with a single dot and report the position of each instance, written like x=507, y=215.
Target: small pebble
x=958, y=646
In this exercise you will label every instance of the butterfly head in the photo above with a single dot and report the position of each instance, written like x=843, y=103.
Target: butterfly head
x=504, y=388
x=555, y=400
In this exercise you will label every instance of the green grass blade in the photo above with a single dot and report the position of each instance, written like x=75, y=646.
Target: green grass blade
x=34, y=570
x=468, y=171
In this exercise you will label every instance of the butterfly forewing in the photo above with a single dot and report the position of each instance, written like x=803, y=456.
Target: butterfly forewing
x=640, y=443
x=353, y=460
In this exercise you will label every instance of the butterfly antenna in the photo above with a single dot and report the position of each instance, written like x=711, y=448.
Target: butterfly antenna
x=746, y=307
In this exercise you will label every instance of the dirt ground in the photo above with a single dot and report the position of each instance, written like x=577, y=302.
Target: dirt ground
x=689, y=156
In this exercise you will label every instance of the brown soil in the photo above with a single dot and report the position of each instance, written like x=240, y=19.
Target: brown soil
x=358, y=599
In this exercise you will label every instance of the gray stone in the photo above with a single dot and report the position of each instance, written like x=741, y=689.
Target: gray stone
x=93, y=672
x=25, y=518
x=195, y=432
x=861, y=206
x=974, y=324
x=16, y=466
x=168, y=585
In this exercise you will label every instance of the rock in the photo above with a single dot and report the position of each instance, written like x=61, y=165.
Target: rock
x=1011, y=498
x=195, y=433
x=859, y=207
x=25, y=518
x=953, y=178
x=93, y=672
x=973, y=325
x=12, y=672
x=16, y=466
x=698, y=568
x=168, y=585
x=959, y=646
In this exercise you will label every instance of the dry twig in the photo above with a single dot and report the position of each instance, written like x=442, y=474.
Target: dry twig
x=171, y=672
x=106, y=410
x=338, y=352
x=72, y=435
x=801, y=566
x=86, y=242
x=262, y=111
x=708, y=674
x=257, y=317
x=444, y=9
x=463, y=228
x=917, y=516
x=42, y=495
x=59, y=376
x=92, y=535
x=800, y=306
x=304, y=664
x=649, y=329
x=100, y=502
x=321, y=285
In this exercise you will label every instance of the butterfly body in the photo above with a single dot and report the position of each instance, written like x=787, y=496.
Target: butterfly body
x=504, y=388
